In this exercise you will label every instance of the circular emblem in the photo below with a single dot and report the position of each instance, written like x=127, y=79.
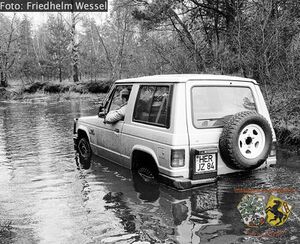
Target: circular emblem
x=252, y=210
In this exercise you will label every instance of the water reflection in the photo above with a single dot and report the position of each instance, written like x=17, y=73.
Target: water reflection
x=152, y=211
x=147, y=191
x=155, y=212
x=48, y=200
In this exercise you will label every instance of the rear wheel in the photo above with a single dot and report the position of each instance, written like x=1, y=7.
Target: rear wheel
x=85, y=153
x=147, y=174
x=144, y=165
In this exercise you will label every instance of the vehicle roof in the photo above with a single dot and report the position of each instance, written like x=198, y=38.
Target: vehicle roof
x=175, y=78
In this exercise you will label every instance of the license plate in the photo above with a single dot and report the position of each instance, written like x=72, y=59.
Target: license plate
x=206, y=163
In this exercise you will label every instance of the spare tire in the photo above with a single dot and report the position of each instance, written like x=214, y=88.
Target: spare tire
x=246, y=140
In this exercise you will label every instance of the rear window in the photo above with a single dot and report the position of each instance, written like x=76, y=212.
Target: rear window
x=213, y=106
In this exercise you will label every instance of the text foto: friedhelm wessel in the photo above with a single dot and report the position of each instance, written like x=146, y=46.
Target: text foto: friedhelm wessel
x=62, y=6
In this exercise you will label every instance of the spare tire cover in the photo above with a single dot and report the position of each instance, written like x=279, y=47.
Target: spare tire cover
x=246, y=140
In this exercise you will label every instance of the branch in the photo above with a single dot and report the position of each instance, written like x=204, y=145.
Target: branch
x=172, y=13
x=163, y=55
x=209, y=7
x=11, y=64
x=10, y=39
x=104, y=46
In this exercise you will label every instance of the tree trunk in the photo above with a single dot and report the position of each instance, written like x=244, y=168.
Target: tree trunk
x=3, y=79
x=60, y=74
x=187, y=38
x=76, y=71
x=75, y=53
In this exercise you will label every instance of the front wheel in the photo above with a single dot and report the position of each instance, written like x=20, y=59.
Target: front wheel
x=85, y=153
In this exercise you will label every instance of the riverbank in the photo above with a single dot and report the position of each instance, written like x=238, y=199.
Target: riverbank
x=283, y=103
x=54, y=91
x=284, y=111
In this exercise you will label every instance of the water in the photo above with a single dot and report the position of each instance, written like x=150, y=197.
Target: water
x=45, y=198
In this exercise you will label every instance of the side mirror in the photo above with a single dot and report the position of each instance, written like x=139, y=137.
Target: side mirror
x=101, y=114
x=102, y=111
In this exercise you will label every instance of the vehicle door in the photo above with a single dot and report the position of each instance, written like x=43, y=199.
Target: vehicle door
x=210, y=105
x=108, y=136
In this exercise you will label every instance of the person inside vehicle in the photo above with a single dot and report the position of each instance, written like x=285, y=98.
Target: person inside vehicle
x=116, y=115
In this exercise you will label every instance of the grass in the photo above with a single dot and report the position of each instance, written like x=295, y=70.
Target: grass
x=101, y=86
x=17, y=90
x=41, y=95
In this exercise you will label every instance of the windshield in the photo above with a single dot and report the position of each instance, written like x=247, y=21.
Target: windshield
x=213, y=106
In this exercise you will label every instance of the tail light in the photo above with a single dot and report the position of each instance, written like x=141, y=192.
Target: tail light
x=177, y=157
x=273, y=149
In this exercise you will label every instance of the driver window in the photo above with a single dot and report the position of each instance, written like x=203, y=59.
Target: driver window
x=116, y=101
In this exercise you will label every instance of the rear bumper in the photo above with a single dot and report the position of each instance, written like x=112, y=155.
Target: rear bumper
x=182, y=183
x=271, y=161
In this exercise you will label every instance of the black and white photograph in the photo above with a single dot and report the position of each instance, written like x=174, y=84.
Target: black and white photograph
x=149, y=121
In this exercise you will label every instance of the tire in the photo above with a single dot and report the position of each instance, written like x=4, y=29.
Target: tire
x=147, y=174
x=85, y=153
x=246, y=141
x=145, y=166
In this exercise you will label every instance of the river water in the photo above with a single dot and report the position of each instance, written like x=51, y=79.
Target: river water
x=46, y=198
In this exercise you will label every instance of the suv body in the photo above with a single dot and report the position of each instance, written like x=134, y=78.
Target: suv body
x=173, y=124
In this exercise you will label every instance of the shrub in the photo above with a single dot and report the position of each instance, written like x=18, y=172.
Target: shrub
x=64, y=89
x=2, y=92
x=52, y=88
x=35, y=87
x=97, y=87
x=284, y=106
x=288, y=136
x=5, y=231
x=56, y=88
x=77, y=88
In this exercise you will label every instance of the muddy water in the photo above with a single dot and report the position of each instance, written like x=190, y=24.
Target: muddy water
x=45, y=198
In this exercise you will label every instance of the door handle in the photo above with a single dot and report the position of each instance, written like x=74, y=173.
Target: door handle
x=117, y=130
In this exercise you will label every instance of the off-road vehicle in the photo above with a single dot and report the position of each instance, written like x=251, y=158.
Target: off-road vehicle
x=184, y=130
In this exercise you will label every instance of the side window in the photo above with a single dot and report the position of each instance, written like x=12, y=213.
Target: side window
x=153, y=105
x=116, y=100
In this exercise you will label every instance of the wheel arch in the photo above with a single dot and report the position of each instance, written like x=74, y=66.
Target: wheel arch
x=147, y=154
x=83, y=132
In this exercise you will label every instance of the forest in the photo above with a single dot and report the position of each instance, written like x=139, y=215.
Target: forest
x=72, y=52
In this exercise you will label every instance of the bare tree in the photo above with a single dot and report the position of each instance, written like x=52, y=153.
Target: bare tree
x=59, y=39
x=75, y=46
x=8, y=52
x=114, y=36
